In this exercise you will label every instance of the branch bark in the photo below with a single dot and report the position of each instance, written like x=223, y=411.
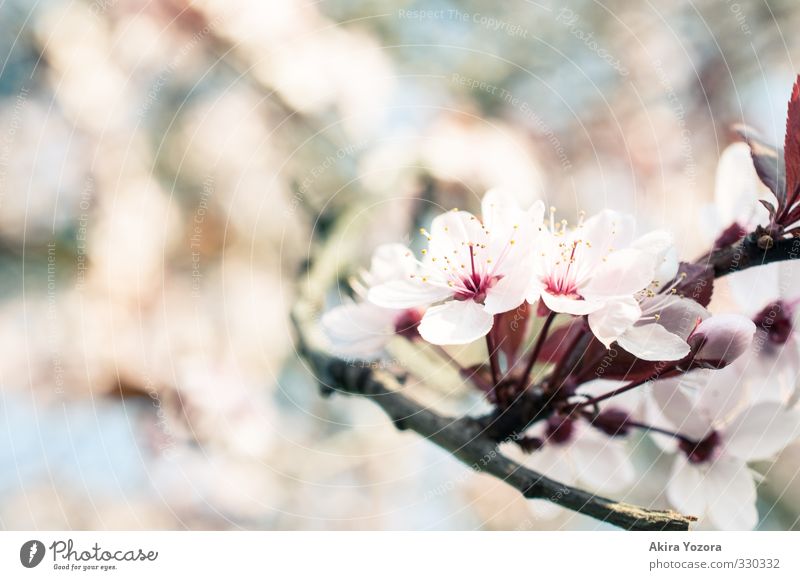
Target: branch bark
x=466, y=440
x=755, y=249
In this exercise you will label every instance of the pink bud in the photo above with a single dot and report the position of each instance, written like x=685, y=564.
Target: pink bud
x=719, y=340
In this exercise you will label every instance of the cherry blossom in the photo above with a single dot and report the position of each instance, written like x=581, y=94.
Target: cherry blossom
x=722, y=431
x=768, y=295
x=362, y=329
x=471, y=270
x=578, y=270
x=719, y=340
x=573, y=453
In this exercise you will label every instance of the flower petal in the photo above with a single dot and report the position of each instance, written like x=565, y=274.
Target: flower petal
x=567, y=304
x=653, y=342
x=730, y=495
x=761, y=431
x=613, y=319
x=677, y=314
x=358, y=330
x=737, y=185
x=452, y=233
x=622, y=273
x=391, y=262
x=726, y=338
x=455, y=322
x=510, y=291
x=685, y=489
x=605, y=231
x=601, y=462
x=402, y=294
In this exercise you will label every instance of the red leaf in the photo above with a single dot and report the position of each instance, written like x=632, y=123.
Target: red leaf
x=510, y=329
x=767, y=160
x=791, y=147
x=559, y=341
x=697, y=283
x=769, y=206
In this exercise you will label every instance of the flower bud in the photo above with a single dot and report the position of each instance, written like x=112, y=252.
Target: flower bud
x=613, y=422
x=719, y=340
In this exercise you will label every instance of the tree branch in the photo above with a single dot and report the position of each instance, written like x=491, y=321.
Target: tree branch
x=466, y=440
x=755, y=249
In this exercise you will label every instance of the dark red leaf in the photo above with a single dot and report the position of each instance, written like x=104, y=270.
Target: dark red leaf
x=510, y=329
x=559, y=341
x=697, y=282
x=768, y=162
x=732, y=234
x=769, y=206
x=621, y=365
x=791, y=146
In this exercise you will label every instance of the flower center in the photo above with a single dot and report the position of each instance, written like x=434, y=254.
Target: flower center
x=406, y=323
x=775, y=322
x=563, y=280
x=701, y=451
x=560, y=429
x=474, y=283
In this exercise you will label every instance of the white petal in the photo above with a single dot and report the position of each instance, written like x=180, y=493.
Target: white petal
x=402, y=294
x=601, y=463
x=761, y=431
x=754, y=288
x=613, y=319
x=677, y=314
x=567, y=305
x=657, y=243
x=509, y=292
x=391, y=262
x=553, y=462
x=451, y=234
x=653, y=342
x=731, y=495
x=677, y=398
x=737, y=185
x=685, y=490
x=622, y=273
x=727, y=337
x=358, y=330
x=719, y=394
x=501, y=208
x=455, y=322
x=605, y=231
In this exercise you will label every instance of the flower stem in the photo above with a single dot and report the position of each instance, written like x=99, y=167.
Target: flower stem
x=645, y=427
x=493, y=358
x=615, y=392
x=523, y=380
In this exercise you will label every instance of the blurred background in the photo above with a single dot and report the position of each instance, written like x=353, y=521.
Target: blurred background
x=167, y=167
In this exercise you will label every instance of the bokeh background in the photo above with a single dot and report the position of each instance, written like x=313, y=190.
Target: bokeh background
x=167, y=167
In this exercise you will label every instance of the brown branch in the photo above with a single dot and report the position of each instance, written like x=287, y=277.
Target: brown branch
x=755, y=249
x=466, y=440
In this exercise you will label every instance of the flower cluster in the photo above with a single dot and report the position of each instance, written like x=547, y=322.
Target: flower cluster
x=619, y=332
